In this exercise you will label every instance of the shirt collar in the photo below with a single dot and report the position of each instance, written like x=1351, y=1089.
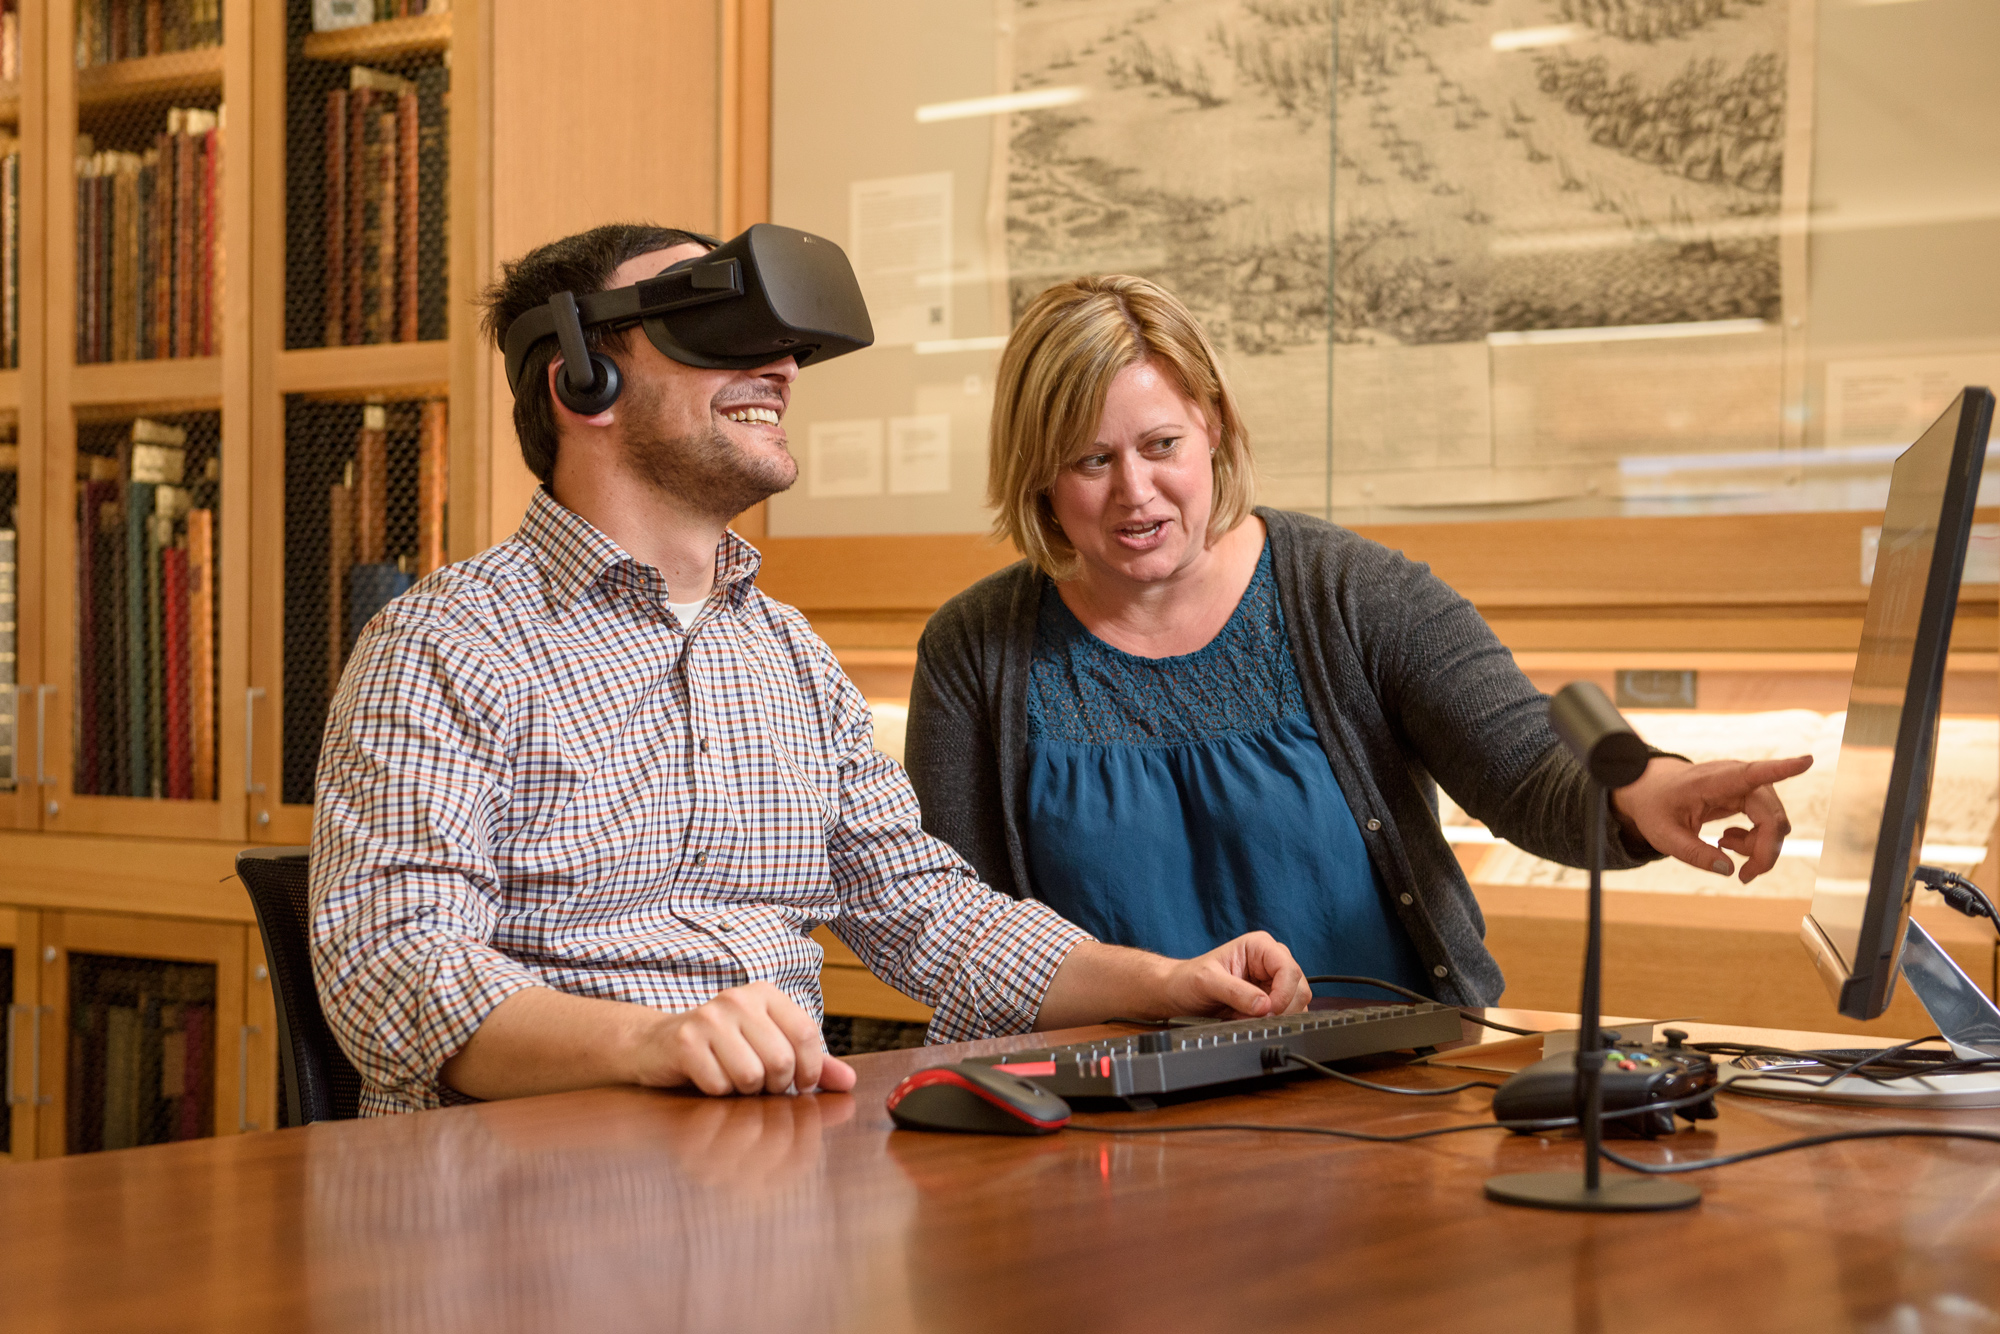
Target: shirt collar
x=574, y=554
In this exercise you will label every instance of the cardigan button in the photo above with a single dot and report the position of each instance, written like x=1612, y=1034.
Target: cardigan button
x=1374, y=825
x=1409, y=899
x=1440, y=970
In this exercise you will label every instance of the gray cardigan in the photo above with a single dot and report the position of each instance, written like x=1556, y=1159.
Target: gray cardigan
x=1404, y=683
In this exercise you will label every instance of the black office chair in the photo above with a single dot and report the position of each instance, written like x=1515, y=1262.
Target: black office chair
x=317, y=1082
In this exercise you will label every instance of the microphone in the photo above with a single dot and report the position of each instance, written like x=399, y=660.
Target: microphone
x=1598, y=735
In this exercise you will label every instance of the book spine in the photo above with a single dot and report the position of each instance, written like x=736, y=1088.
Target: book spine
x=371, y=487
x=124, y=257
x=433, y=200
x=184, y=244
x=82, y=261
x=106, y=676
x=210, y=159
x=9, y=660
x=138, y=764
x=10, y=254
x=121, y=1077
x=103, y=225
x=154, y=30
x=174, y=594
x=156, y=661
x=335, y=216
x=88, y=498
x=382, y=228
x=339, y=555
x=143, y=261
x=194, y=1121
x=164, y=173
x=407, y=205
x=201, y=653
x=359, y=101
x=433, y=481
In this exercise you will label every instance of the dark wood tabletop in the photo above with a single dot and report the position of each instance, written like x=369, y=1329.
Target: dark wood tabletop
x=629, y=1209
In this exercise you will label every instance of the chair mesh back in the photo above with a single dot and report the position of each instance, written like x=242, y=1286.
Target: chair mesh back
x=319, y=1083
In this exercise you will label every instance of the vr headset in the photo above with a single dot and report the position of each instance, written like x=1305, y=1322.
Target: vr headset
x=772, y=292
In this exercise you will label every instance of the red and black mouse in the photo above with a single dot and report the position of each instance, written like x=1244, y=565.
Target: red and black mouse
x=975, y=1099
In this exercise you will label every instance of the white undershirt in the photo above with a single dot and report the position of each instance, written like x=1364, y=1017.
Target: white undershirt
x=685, y=612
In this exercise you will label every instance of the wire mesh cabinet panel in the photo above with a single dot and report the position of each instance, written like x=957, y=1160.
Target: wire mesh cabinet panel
x=144, y=585
x=365, y=487
x=367, y=171
x=150, y=1038
x=354, y=419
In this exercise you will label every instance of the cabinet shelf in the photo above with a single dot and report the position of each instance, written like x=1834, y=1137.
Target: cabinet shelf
x=422, y=34
x=129, y=384
x=354, y=372
x=149, y=78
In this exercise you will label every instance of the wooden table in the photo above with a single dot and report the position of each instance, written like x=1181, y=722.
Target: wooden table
x=626, y=1209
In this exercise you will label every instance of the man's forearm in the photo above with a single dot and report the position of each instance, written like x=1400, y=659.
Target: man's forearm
x=546, y=1041
x=1098, y=981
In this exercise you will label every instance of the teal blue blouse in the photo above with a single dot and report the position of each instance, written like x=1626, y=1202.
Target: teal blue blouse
x=1175, y=803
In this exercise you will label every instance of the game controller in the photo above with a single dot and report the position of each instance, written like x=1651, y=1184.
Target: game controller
x=1635, y=1074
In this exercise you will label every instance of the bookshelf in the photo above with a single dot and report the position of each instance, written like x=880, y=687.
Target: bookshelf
x=22, y=119
x=146, y=338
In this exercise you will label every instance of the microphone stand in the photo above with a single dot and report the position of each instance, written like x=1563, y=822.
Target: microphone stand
x=1614, y=756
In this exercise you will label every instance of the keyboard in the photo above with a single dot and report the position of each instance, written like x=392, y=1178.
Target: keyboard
x=1196, y=1055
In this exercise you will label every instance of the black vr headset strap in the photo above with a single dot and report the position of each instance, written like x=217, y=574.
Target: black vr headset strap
x=693, y=282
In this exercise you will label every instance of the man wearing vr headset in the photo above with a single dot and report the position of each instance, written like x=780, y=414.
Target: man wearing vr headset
x=583, y=797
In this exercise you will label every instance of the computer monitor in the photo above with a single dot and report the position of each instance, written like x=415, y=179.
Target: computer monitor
x=1860, y=915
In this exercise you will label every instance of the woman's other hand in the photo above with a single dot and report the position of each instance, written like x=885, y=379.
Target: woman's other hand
x=1673, y=799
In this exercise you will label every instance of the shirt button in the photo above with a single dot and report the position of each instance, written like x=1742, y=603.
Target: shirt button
x=700, y=857
x=1408, y=899
x=1374, y=825
x=1440, y=970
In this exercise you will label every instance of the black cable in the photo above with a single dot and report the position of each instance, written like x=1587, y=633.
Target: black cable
x=1332, y=1073
x=1342, y=978
x=1893, y=1069
x=1546, y=1123
x=1960, y=893
x=1810, y=1141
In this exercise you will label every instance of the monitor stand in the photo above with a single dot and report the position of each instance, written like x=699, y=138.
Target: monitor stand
x=1963, y=1015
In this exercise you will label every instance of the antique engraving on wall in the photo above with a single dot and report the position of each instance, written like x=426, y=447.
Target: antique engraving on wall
x=1499, y=169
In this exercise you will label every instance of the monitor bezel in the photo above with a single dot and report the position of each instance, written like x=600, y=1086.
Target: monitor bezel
x=1863, y=987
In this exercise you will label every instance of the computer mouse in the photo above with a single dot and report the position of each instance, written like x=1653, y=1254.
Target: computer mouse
x=975, y=1099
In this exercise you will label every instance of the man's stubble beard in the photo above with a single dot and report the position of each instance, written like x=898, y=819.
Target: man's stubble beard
x=706, y=471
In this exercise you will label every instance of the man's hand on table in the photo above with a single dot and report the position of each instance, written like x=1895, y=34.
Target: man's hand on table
x=1247, y=978
x=749, y=1039
x=1673, y=799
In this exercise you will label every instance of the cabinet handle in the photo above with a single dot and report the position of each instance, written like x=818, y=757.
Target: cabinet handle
x=35, y=1093
x=243, y=1121
x=12, y=1055
x=251, y=787
x=42, y=694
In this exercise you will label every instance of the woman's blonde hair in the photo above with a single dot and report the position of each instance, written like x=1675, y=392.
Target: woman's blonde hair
x=1054, y=374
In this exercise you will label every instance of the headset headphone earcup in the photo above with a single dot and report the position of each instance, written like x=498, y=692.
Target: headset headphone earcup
x=596, y=397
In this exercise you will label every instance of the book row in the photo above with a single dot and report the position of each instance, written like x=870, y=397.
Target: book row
x=385, y=170
x=328, y=15
x=363, y=575
x=141, y=1052
x=149, y=247
x=146, y=618
x=113, y=30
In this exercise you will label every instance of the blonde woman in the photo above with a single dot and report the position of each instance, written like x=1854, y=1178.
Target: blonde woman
x=1181, y=718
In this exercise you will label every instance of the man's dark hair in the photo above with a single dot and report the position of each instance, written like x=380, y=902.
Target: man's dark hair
x=581, y=264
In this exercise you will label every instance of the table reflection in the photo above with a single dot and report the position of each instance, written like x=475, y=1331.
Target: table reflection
x=699, y=1213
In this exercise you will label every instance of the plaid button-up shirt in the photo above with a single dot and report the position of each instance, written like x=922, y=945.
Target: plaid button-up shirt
x=534, y=776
